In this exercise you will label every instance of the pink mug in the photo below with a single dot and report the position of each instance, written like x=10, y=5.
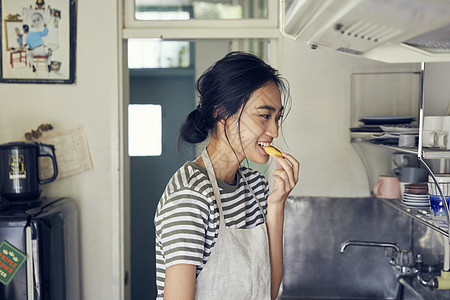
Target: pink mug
x=387, y=187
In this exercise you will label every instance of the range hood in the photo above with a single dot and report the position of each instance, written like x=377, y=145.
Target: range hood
x=393, y=31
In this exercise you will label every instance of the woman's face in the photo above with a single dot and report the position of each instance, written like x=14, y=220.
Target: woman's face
x=259, y=124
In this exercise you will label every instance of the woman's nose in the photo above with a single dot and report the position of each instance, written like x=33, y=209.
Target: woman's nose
x=272, y=130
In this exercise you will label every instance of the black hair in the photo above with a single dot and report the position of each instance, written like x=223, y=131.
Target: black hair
x=224, y=89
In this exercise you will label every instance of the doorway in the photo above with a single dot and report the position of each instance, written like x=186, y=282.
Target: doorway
x=173, y=90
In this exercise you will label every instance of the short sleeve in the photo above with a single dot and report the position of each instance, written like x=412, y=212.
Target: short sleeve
x=181, y=224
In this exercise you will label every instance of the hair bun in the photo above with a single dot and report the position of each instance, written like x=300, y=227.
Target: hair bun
x=194, y=130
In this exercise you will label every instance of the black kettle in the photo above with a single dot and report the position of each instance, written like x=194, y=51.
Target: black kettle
x=19, y=169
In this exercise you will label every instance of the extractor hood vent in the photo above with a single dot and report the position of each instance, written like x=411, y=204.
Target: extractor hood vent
x=368, y=31
x=384, y=30
x=437, y=41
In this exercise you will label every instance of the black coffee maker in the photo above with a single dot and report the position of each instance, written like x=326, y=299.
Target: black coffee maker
x=19, y=170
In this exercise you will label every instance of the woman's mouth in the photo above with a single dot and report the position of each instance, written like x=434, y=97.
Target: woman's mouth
x=264, y=144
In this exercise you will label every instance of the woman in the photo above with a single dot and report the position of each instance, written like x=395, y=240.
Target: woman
x=219, y=232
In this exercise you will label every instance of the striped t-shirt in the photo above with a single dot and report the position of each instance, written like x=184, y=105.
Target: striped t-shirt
x=187, y=217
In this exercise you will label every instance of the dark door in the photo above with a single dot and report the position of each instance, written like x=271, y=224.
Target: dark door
x=173, y=89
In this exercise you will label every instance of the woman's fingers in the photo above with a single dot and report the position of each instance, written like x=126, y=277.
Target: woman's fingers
x=295, y=165
x=285, y=167
x=282, y=181
x=290, y=166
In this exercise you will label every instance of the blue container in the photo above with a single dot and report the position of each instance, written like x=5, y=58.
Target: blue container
x=437, y=208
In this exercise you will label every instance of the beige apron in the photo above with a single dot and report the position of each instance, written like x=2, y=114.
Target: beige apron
x=239, y=264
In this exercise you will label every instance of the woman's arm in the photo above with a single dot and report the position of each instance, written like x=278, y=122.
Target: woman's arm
x=179, y=283
x=275, y=219
x=286, y=177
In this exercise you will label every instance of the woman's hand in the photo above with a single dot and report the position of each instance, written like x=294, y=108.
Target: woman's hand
x=285, y=178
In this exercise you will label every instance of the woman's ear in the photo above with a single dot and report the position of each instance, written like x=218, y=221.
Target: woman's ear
x=222, y=121
x=221, y=124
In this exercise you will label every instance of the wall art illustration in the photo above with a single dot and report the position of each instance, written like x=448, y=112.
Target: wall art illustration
x=38, y=41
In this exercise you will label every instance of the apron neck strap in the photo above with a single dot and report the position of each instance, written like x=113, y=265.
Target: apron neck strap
x=253, y=193
x=213, y=180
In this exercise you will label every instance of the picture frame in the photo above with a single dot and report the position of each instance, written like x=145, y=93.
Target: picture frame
x=38, y=41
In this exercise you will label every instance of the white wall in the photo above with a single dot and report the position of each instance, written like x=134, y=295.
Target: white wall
x=317, y=129
x=437, y=89
x=92, y=102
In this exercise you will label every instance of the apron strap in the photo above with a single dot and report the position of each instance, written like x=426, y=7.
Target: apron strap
x=253, y=193
x=213, y=180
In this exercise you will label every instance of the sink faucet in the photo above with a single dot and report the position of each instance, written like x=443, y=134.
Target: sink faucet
x=404, y=262
x=368, y=244
x=400, y=259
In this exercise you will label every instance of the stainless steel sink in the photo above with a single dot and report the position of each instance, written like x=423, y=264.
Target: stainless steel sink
x=315, y=269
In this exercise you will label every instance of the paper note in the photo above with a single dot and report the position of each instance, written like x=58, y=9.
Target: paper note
x=71, y=151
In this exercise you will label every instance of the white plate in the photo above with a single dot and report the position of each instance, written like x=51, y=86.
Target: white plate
x=415, y=205
x=399, y=129
x=390, y=135
x=415, y=200
x=385, y=135
x=415, y=196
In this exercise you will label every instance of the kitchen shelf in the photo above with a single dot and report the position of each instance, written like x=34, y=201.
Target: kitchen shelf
x=375, y=161
x=422, y=215
x=427, y=153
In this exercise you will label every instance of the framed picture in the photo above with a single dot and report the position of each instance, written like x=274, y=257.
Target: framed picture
x=38, y=41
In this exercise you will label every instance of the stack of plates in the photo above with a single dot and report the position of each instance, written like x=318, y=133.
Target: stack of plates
x=415, y=200
x=415, y=195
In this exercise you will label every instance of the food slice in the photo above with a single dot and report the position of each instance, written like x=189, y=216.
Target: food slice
x=272, y=151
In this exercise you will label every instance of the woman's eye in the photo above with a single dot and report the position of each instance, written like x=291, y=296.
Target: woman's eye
x=267, y=117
